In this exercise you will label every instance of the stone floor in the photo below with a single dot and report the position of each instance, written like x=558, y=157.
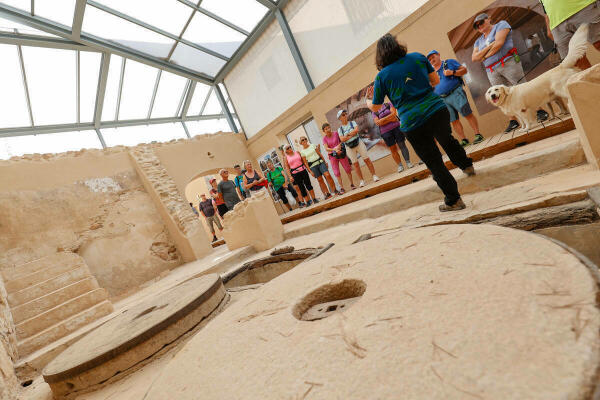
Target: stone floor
x=544, y=174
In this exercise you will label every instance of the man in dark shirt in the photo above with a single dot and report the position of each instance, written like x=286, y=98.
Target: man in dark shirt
x=227, y=190
x=208, y=209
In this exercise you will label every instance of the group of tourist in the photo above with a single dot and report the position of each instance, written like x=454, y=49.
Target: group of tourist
x=426, y=98
x=427, y=93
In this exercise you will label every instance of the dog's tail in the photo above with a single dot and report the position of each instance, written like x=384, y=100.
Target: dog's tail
x=577, y=47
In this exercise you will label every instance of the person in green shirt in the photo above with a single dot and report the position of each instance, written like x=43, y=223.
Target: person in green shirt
x=563, y=17
x=279, y=183
x=316, y=165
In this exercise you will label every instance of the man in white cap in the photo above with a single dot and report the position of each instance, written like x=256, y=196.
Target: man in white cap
x=496, y=50
x=348, y=133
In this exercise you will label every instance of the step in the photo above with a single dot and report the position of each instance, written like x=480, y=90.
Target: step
x=50, y=271
x=48, y=286
x=52, y=299
x=63, y=328
x=61, y=312
x=21, y=270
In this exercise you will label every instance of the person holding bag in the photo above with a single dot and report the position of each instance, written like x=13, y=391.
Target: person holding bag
x=296, y=168
x=337, y=155
x=348, y=133
x=316, y=165
x=389, y=128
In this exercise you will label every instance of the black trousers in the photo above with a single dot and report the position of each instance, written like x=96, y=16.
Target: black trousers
x=281, y=193
x=423, y=139
x=302, y=180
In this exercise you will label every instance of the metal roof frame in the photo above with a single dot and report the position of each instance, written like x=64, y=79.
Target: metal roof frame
x=72, y=38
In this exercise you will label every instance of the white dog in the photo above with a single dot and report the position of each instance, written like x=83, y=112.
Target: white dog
x=525, y=99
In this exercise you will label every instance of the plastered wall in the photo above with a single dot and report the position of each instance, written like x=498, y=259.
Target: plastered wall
x=424, y=30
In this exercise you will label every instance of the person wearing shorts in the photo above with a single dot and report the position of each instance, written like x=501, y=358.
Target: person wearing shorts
x=496, y=50
x=386, y=118
x=279, y=182
x=564, y=17
x=314, y=161
x=348, y=134
x=450, y=89
x=333, y=146
x=218, y=198
x=294, y=166
x=209, y=210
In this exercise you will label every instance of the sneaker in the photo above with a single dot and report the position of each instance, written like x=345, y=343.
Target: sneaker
x=375, y=178
x=352, y=187
x=459, y=205
x=361, y=184
x=410, y=165
x=301, y=204
x=512, y=125
x=316, y=201
x=341, y=192
x=542, y=116
x=328, y=195
x=478, y=138
x=309, y=203
x=464, y=142
x=215, y=239
x=470, y=171
x=400, y=168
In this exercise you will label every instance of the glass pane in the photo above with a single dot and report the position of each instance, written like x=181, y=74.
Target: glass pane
x=24, y=5
x=198, y=99
x=213, y=106
x=112, y=89
x=48, y=143
x=168, y=15
x=196, y=60
x=132, y=135
x=90, y=69
x=212, y=34
x=51, y=81
x=138, y=85
x=110, y=27
x=243, y=13
x=208, y=126
x=7, y=25
x=61, y=11
x=12, y=97
x=168, y=95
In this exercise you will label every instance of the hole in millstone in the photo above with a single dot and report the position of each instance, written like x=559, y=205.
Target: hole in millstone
x=329, y=299
x=70, y=385
x=27, y=383
x=264, y=269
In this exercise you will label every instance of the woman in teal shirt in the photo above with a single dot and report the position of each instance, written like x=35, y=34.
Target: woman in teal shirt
x=408, y=80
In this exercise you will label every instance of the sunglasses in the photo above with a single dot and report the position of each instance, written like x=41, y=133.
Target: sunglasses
x=303, y=140
x=478, y=24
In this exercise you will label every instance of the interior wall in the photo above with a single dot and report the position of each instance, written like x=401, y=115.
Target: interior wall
x=330, y=33
x=266, y=72
x=425, y=29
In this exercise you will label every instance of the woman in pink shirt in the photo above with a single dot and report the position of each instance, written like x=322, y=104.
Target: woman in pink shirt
x=295, y=167
x=333, y=145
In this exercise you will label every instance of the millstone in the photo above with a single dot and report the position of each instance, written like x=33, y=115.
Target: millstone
x=443, y=312
x=134, y=335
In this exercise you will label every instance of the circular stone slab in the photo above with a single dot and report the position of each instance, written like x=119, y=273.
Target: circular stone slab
x=134, y=335
x=448, y=312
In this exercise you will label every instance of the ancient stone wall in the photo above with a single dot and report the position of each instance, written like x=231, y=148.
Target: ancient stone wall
x=8, y=353
x=95, y=203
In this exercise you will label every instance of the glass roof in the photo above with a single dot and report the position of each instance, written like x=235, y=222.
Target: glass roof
x=50, y=81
